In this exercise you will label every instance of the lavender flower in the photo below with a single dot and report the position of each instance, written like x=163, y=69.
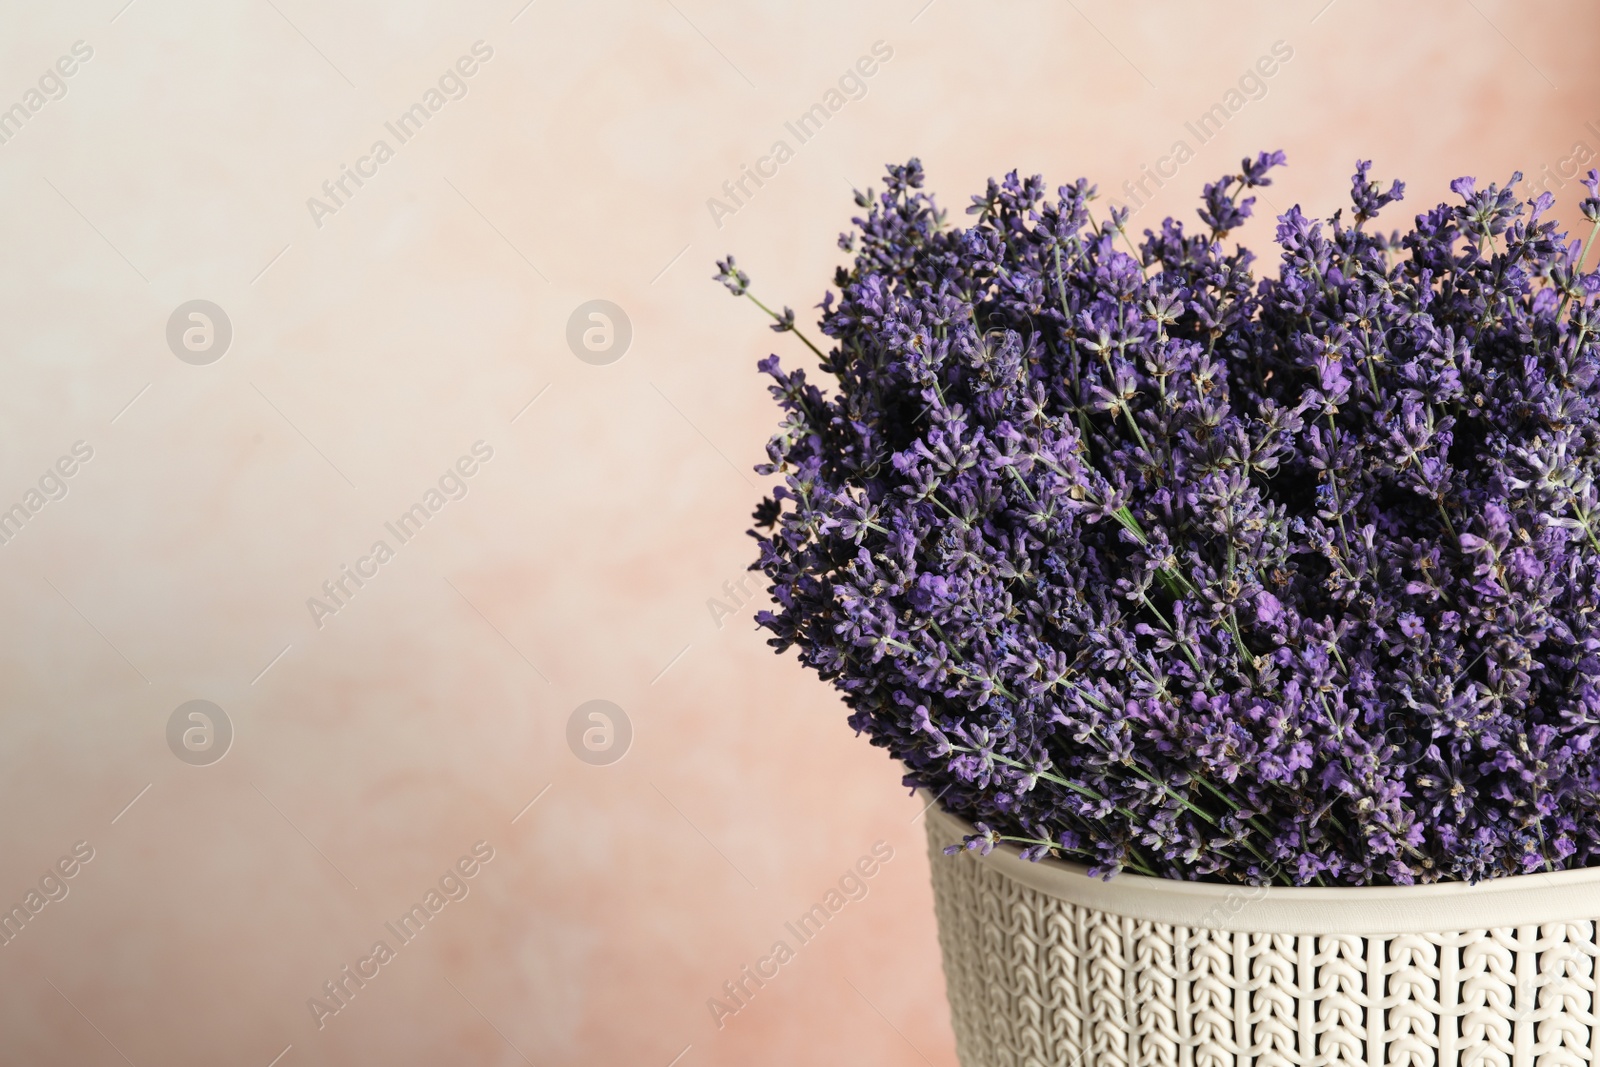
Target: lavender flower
x=1140, y=561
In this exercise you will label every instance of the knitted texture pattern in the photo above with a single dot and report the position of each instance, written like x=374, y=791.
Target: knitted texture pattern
x=1037, y=981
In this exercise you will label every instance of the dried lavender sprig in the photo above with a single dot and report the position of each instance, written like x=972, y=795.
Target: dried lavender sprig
x=1045, y=457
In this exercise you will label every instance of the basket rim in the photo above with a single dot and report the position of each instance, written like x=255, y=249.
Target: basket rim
x=1514, y=900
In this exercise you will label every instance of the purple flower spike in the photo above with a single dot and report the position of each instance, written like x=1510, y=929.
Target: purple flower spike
x=1141, y=560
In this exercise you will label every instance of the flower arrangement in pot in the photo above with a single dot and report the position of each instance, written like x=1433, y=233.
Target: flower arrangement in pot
x=1246, y=630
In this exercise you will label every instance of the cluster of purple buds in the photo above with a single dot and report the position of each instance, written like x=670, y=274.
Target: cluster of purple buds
x=1138, y=560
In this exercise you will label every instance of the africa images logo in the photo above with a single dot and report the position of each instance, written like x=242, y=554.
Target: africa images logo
x=337, y=192
x=453, y=886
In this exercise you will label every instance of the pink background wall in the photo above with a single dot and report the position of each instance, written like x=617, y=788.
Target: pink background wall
x=370, y=352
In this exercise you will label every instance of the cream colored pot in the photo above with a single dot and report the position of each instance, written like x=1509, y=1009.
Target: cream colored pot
x=1045, y=965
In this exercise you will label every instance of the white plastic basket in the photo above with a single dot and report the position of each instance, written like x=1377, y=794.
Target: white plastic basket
x=1045, y=965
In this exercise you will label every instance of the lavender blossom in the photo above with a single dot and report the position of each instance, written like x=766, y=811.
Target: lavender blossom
x=1139, y=561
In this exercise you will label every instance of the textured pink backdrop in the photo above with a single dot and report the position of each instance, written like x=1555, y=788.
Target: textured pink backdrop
x=372, y=350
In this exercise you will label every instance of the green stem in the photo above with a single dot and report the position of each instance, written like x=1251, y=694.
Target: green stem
x=1333, y=483
x=955, y=669
x=1134, y=819
x=1450, y=527
x=1177, y=639
x=1022, y=482
x=1588, y=241
x=1137, y=255
x=779, y=318
x=1251, y=821
x=959, y=521
x=1138, y=865
x=1583, y=517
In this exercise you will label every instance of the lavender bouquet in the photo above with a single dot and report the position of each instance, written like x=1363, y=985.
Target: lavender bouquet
x=1134, y=559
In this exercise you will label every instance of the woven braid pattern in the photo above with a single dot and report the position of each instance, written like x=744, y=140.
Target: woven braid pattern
x=1035, y=981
